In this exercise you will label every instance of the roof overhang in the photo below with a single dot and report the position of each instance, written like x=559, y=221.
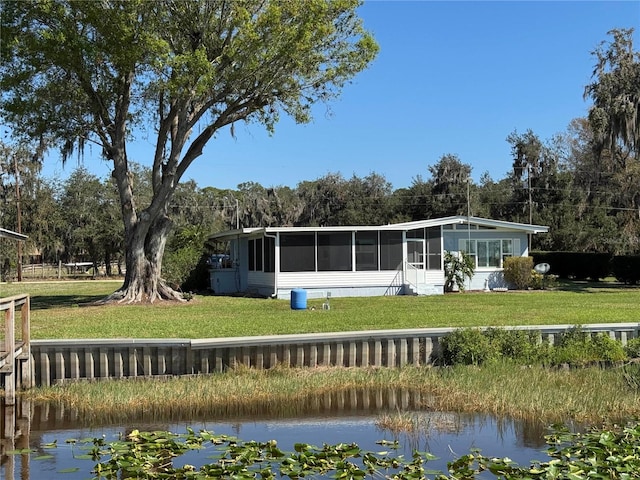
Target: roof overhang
x=435, y=222
x=4, y=233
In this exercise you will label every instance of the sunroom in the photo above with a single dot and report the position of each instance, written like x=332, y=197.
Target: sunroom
x=397, y=259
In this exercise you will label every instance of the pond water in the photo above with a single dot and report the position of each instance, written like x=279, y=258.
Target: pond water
x=445, y=434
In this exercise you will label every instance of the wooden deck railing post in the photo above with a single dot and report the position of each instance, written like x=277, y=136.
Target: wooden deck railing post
x=26, y=374
x=10, y=348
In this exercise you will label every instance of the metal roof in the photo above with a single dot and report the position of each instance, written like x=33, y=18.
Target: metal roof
x=435, y=222
x=4, y=233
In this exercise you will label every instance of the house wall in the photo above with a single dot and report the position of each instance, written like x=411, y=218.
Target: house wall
x=262, y=283
x=232, y=280
x=362, y=283
x=341, y=284
x=486, y=277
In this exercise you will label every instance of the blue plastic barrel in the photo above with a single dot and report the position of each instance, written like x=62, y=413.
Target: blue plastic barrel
x=298, y=299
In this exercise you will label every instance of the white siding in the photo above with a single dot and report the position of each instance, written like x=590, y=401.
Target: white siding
x=336, y=279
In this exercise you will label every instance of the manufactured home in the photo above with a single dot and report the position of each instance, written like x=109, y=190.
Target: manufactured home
x=395, y=259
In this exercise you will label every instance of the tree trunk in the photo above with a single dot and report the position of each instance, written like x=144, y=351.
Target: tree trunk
x=144, y=250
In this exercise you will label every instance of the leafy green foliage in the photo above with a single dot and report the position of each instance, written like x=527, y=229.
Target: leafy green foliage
x=184, y=264
x=177, y=68
x=521, y=346
x=517, y=271
x=632, y=348
x=614, y=91
x=458, y=267
x=599, y=453
x=541, y=281
x=577, y=347
x=469, y=346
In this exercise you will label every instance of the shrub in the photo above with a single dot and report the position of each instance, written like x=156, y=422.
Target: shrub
x=467, y=346
x=517, y=271
x=519, y=346
x=632, y=348
x=607, y=349
x=577, y=265
x=542, y=282
x=576, y=347
x=626, y=268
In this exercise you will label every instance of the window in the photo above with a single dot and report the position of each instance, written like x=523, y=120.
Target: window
x=366, y=251
x=297, y=252
x=258, y=255
x=488, y=253
x=269, y=254
x=252, y=255
x=434, y=250
x=507, y=249
x=334, y=251
x=255, y=255
x=390, y=250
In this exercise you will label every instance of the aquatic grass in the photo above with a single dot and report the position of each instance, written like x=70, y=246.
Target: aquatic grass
x=62, y=310
x=533, y=394
x=588, y=394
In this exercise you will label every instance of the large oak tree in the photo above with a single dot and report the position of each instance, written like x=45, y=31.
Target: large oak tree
x=75, y=72
x=615, y=92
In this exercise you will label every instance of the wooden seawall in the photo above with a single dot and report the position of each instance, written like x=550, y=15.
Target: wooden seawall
x=58, y=361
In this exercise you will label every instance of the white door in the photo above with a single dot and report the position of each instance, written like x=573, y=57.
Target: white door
x=416, y=258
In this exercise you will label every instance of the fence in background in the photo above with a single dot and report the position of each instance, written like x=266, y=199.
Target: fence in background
x=35, y=271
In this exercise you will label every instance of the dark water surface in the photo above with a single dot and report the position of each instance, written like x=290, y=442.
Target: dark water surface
x=446, y=435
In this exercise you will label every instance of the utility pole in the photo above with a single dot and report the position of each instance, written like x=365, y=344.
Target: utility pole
x=19, y=216
x=237, y=215
x=530, y=203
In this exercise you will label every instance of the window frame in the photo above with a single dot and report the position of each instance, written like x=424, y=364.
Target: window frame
x=472, y=249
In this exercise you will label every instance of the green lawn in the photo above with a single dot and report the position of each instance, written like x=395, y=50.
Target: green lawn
x=59, y=310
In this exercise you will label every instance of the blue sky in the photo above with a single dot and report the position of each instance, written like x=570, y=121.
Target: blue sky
x=451, y=77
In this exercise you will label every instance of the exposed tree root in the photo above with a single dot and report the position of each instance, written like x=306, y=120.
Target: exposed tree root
x=130, y=294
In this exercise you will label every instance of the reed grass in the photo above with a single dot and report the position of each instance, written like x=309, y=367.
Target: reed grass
x=62, y=310
x=531, y=394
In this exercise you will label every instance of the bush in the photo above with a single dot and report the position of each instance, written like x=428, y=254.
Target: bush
x=542, y=282
x=576, y=265
x=607, y=349
x=520, y=346
x=467, y=346
x=632, y=348
x=517, y=271
x=626, y=268
x=576, y=347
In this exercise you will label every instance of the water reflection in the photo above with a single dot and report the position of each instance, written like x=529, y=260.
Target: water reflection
x=346, y=416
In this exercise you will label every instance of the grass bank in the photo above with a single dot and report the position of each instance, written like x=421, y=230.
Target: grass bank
x=590, y=395
x=60, y=310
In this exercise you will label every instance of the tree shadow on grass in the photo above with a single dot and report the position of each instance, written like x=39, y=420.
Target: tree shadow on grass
x=589, y=286
x=44, y=302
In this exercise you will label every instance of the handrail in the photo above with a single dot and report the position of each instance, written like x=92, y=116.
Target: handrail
x=23, y=353
x=411, y=275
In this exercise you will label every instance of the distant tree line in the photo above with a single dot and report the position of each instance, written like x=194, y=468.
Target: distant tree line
x=590, y=206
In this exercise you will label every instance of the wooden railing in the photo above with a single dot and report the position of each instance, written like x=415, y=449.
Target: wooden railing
x=15, y=354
